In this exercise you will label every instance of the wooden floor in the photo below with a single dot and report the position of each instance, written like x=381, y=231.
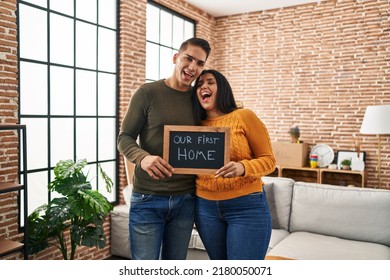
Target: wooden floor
x=113, y=257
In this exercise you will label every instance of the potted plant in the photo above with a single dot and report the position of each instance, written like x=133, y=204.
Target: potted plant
x=80, y=210
x=346, y=164
x=295, y=133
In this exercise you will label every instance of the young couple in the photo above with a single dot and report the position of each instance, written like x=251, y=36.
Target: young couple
x=229, y=207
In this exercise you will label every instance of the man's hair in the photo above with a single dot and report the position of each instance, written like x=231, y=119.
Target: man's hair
x=199, y=42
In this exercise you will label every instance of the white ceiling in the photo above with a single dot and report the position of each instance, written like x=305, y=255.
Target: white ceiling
x=218, y=8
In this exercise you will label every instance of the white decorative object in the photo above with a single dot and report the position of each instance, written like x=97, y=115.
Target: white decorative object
x=325, y=154
x=333, y=166
x=376, y=122
x=354, y=157
x=357, y=164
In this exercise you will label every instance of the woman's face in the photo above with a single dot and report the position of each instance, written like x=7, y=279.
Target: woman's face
x=207, y=94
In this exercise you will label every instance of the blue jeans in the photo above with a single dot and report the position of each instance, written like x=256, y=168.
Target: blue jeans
x=160, y=226
x=235, y=229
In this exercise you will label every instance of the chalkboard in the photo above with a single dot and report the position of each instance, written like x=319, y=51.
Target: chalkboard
x=196, y=149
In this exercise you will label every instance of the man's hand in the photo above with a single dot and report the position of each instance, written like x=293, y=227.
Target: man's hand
x=156, y=167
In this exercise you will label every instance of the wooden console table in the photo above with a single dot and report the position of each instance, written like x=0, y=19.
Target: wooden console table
x=322, y=175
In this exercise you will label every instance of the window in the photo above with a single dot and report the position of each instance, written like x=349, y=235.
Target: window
x=165, y=31
x=68, y=89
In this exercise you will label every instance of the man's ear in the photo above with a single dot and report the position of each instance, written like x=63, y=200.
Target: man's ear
x=175, y=58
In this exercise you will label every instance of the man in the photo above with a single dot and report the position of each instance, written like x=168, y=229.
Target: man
x=162, y=203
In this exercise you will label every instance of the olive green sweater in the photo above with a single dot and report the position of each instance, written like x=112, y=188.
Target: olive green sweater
x=249, y=144
x=152, y=106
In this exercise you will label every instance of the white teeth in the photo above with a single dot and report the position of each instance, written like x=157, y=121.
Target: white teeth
x=205, y=95
x=189, y=74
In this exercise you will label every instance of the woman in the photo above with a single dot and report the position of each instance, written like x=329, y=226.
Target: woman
x=232, y=213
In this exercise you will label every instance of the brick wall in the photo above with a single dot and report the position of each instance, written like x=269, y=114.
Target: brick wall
x=132, y=60
x=8, y=63
x=8, y=115
x=318, y=66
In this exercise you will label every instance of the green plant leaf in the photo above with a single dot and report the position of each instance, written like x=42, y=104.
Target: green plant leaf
x=66, y=168
x=37, y=212
x=81, y=210
x=58, y=213
x=94, y=236
x=109, y=182
x=70, y=185
x=38, y=233
x=92, y=202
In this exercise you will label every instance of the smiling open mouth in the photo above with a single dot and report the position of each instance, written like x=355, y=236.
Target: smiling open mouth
x=206, y=95
x=188, y=74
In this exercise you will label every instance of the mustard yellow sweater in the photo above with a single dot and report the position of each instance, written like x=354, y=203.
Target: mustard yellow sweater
x=249, y=144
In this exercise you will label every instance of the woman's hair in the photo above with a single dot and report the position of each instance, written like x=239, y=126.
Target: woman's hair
x=225, y=99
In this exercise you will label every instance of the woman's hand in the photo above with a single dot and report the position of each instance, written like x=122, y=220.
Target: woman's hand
x=230, y=170
x=156, y=167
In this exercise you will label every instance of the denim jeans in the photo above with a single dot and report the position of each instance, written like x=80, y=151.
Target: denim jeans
x=160, y=227
x=235, y=229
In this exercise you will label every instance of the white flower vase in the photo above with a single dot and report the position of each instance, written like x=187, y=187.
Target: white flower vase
x=357, y=164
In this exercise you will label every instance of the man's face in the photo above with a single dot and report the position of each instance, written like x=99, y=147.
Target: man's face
x=188, y=66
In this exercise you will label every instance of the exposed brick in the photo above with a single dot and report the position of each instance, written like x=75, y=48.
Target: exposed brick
x=317, y=65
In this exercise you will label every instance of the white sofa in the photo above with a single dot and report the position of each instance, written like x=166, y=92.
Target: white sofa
x=310, y=222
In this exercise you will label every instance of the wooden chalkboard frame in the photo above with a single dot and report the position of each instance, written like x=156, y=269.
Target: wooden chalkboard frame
x=168, y=129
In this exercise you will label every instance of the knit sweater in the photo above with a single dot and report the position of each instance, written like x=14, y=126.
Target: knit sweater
x=249, y=144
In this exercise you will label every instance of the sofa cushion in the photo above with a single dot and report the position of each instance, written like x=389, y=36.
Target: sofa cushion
x=310, y=246
x=195, y=241
x=196, y=250
x=277, y=235
x=120, y=231
x=347, y=212
x=279, y=192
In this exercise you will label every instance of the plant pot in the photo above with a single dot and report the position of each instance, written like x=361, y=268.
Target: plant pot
x=294, y=139
x=346, y=167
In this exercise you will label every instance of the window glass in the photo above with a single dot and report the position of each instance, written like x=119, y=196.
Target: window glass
x=62, y=6
x=107, y=88
x=166, y=28
x=85, y=93
x=152, y=72
x=86, y=139
x=61, y=40
x=85, y=45
x=33, y=88
x=107, y=50
x=188, y=30
x=107, y=138
x=153, y=23
x=33, y=33
x=61, y=139
x=178, y=32
x=61, y=90
x=42, y=3
x=37, y=195
x=107, y=13
x=166, y=64
x=86, y=10
x=36, y=142
x=67, y=81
